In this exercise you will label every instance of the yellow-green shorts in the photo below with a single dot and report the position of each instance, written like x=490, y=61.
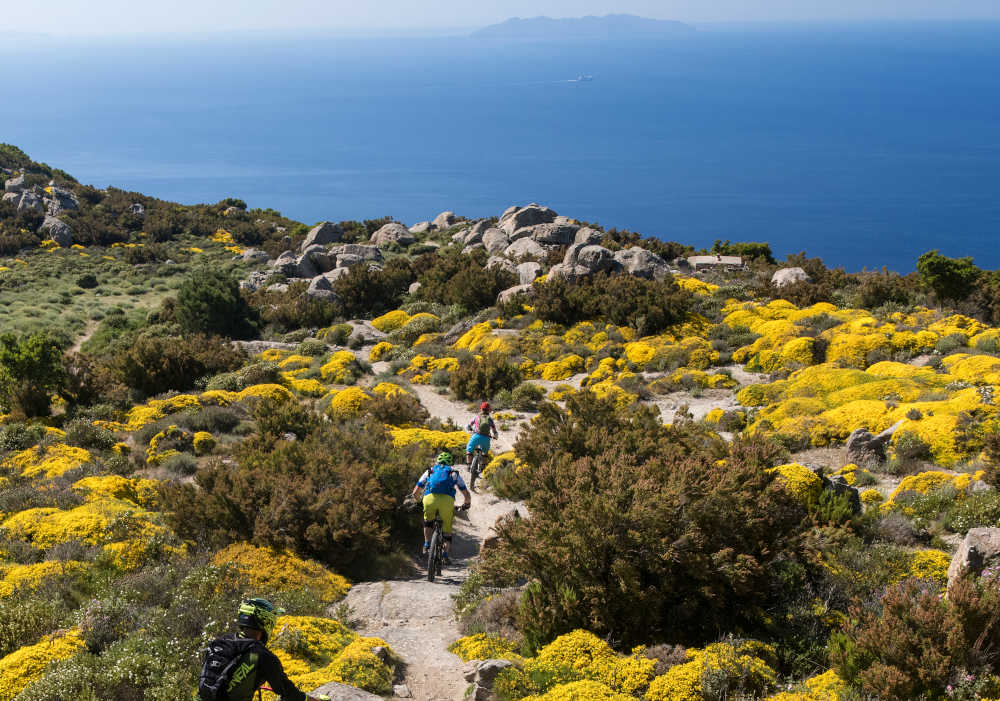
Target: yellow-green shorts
x=442, y=504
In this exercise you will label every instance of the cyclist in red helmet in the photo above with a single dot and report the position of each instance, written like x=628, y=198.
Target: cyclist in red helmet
x=482, y=428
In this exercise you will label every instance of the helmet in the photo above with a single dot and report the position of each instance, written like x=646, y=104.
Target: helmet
x=485, y=406
x=259, y=614
x=445, y=458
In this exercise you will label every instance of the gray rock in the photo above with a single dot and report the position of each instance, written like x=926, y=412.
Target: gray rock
x=336, y=274
x=15, y=184
x=320, y=258
x=255, y=254
x=528, y=272
x=839, y=486
x=501, y=262
x=255, y=280
x=507, y=212
x=393, y=232
x=446, y=220
x=472, y=247
x=588, y=237
x=324, y=295
x=531, y=215
x=304, y=267
x=346, y=260
x=357, y=249
x=12, y=197
x=286, y=264
x=595, y=258
x=320, y=282
x=277, y=287
x=866, y=450
x=230, y=211
x=511, y=292
x=642, y=263
x=414, y=287
x=422, y=228
x=28, y=200
x=401, y=691
x=487, y=671
x=323, y=234
x=566, y=220
x=524, y=248
x=137, y=209
x=789, y=276
x=569, y=271
x=554, y=234
x=980, y=549
x=495, y=240
x=57, y=230
x=343, y=692
x=61, y=200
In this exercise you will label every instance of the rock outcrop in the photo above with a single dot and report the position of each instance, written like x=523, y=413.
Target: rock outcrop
x=322, y=234
x=495, y=240
x=980, y=549
x=15, y=184
x=642, y=263
x=518, y=218
x=789, y=276
x=59, y=200
x=868, y=450
x=481, y=674
x=524, y=248
x=57, y=230
x=393, y=233
x=446, y=220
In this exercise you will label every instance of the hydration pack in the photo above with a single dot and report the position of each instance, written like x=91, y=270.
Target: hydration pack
x=223, y=657
x=483, y=425
x=440, y=481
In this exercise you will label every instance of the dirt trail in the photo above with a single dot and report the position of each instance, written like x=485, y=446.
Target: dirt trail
x=87, y=333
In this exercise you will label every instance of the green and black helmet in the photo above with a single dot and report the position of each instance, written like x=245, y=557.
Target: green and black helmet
x=445, y=458
x=259, y=614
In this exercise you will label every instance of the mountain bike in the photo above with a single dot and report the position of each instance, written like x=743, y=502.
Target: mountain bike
x=436, y=551
x=476, y=467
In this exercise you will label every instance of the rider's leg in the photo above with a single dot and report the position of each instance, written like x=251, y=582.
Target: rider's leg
x=446, y=508
x=430, y=511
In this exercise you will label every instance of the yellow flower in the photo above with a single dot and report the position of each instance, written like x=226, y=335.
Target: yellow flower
x=32, y=575
x=204, y=443
x=21, y=667
x=800, y=481
x=52, y=461
x=349, y=403
x=273, y=571
x=338, y=367
x=391, y=321
x=294, y=362
x=269, y=391
x=379, y=351
x=454, y=441
x=483, y=646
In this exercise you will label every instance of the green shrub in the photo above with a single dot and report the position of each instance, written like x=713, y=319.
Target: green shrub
x=87, y=281
x=181, y=464
x=977, y=510
x=156, y=364
x=31, y=371
x=526, y=396
x=365, y=292
x=83, y=433
x=461, y=279
x=19, y=436
x=482, y=379
x=209, y=302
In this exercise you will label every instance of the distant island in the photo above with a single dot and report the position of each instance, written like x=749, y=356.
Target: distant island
x=589, y=27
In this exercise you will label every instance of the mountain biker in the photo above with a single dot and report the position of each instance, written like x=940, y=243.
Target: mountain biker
x=481, y=427
x=439, y=483
x=255, y=664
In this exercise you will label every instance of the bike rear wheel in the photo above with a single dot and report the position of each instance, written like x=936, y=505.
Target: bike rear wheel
x=433, y=556
x=475, y=469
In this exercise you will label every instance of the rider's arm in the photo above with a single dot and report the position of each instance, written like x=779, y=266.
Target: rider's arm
x=468, y=497
x=493, y=426
x=272, y=672
x=420, y=483
x=460, y=483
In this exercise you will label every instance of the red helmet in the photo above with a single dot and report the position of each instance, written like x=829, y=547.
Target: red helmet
x=485, y=406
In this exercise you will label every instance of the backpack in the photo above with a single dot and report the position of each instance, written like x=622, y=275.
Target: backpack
x=483, y=429
x=222, y=657
x=440, y=481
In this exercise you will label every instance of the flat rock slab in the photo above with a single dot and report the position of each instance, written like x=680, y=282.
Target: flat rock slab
x=343, y=692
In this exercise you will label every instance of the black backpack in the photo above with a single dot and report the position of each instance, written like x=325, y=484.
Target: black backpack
x=222, y=656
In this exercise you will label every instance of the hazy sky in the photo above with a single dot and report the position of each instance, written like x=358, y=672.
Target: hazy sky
x=117, y=16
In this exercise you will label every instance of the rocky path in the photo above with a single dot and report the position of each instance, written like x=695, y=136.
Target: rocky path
x=417, y=618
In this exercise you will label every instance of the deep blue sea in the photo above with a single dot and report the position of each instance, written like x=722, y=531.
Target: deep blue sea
x=865, y=145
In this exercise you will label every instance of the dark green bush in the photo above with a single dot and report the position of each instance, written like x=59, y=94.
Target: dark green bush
x=19, y=436
x=31, y=371
x=462, y=279
x=157, y=364
x=87, y=281
x=482, y=379
x=209, y=302
x=83, y=433
x=648, y=306
x=366, y=293
x=526, y=396
x=293, y=309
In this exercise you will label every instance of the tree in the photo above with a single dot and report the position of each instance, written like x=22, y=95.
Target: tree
x=950, y=278
x=209, y=302
x=31, y=370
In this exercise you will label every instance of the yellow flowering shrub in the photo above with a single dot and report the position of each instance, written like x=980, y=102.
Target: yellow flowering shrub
x=482, y=646
x=14, y=576
x=141, y=492
x=134, y=553
x=693, y=284
x=264, y=391
x=800, y=481
x=218, y=397
x=931, y=481
x=823, y=687
x=582, y=690
x=852, y=473
x=339, y=367
x=273, y=355
x=155, y=455
x=204, y=443
x=561, y=369
x=271, y=570
x=295, y=362
x=639, y=353
x=930, y=564
x=391, y=321
x=380, y=351
x=422, y=316
x=683, y=682
x=480, y=339
x=871, y=496
x=307, y=387
x=453, y=441
x=89, y=523
x=349, y=403
x=21, y=667
x=52, y=461
x=974, y=369
x=388, y=389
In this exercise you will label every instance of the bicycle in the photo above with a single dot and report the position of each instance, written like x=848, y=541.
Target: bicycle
x=435, y=552
x=476, y=467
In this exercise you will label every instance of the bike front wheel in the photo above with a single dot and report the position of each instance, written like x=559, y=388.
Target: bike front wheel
x=475, y=469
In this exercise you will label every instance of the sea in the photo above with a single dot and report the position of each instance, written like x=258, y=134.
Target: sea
x=863, y=144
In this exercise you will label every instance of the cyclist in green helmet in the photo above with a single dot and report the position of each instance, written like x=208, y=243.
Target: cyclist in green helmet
x=238, y=664
x=439, y=484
